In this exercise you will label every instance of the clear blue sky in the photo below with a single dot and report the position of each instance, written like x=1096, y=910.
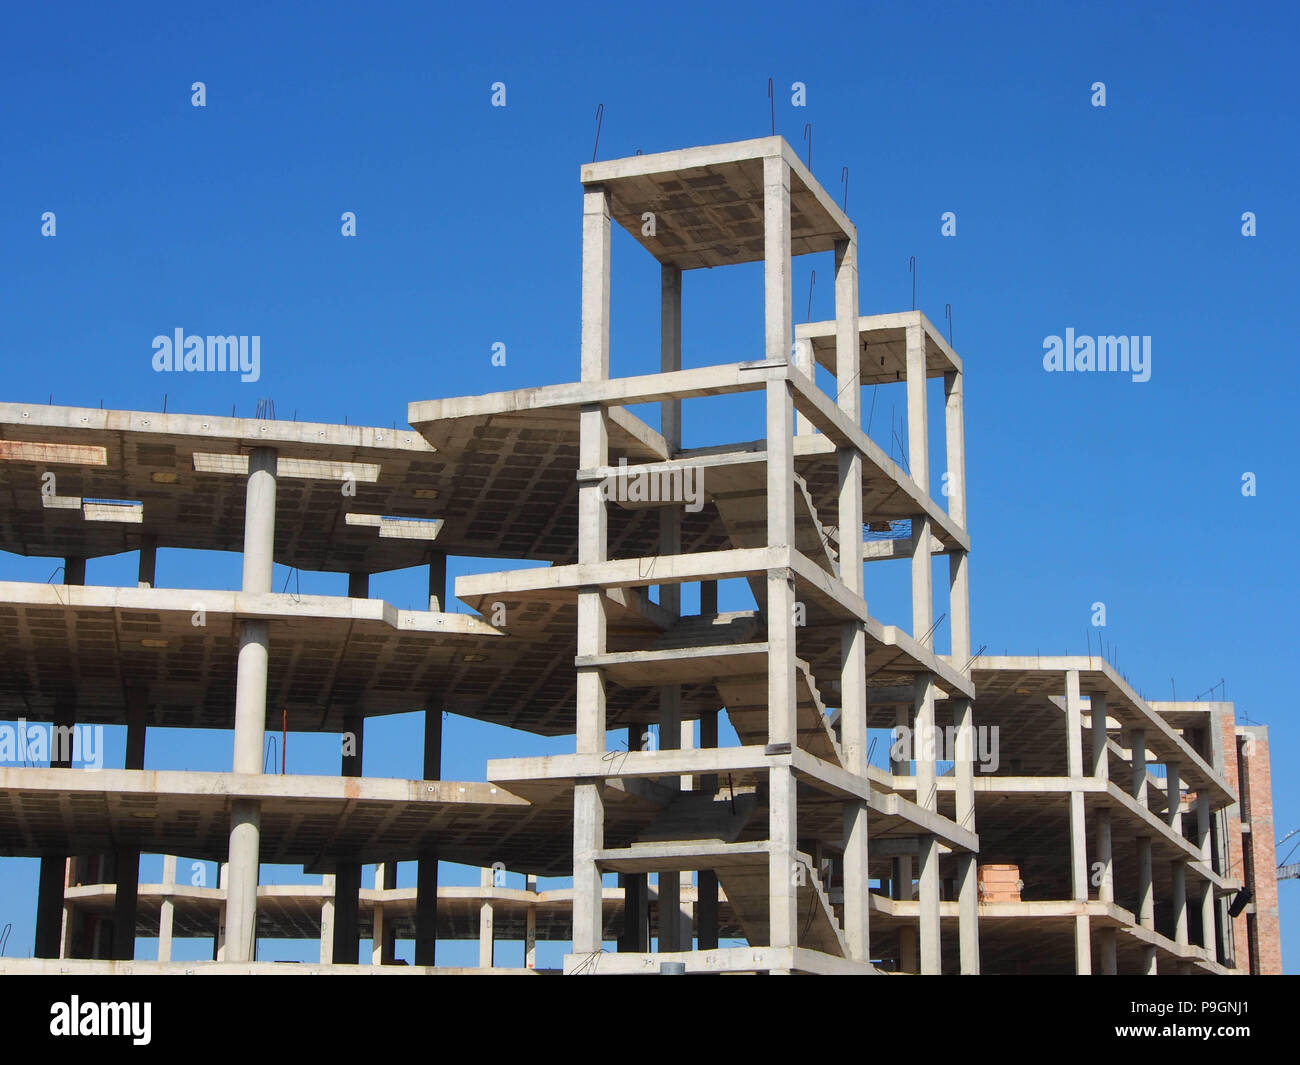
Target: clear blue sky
x=1117, y=220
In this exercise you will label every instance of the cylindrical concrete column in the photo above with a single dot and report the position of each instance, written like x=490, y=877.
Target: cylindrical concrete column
x=250, y=709
x=259, y=521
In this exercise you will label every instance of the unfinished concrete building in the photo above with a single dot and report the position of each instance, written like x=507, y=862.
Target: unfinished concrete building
x=786, y=851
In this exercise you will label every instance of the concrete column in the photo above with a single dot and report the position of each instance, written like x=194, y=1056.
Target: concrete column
x=706, y=908
x=918, y=418
x=437, y=581
x=924, y=753
x=853, y=645
x=167, y=910
x=1107, y=960
x=426, y=877
x=1138, y=748
x=54, y=869
x=148, y=561
x=908, y=958
x=708, y=597
x=1146, y=895
x=347, y=874
x=1209, y=936
x=1078, y=828
x=967, y=869
x=1106, y=885
x=383, y=940
x=1097, y=722
x=1174, y=795
x=74, y=571
x=219, y=940
x=595, y=285
x=486, y=924
x=250, y=707
x=588, y=797
x=671, y=933
x=1106, y=938
x=778, y=334
x=530, y=929
x=127, y=862
x=327, y=919
x=1178, y=898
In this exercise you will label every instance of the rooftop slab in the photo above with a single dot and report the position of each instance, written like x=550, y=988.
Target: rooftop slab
x=708, y=202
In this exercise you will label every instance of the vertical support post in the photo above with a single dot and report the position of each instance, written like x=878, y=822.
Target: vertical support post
x=1138, y=748
x=347, y=874
x=1174, y=795
x=54, y=869
x=853, y=640
x=530, y=927
x=127, y=862
x=148, y=561
x=593, y=448
x=1178, y=895
x=383, y=942
x=486, y=923
x=219, y=940
x=927, y=797
x=250, y=707
x=1209, y=939
x=327, y=883
x=1106, y=937
x=1100, y=766
x=670, y=596
x=706, y=892
x=781, y=719
x=967, y=869
x=1078, y=827
x=438, y=581
x=1146, y=900
x=167, y=909
x=426, y=875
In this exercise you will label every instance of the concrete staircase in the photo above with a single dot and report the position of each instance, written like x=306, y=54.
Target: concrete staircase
x=746, y=886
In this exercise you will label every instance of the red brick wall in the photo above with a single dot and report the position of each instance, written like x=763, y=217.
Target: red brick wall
x=1257, y=795
x=1236, y=857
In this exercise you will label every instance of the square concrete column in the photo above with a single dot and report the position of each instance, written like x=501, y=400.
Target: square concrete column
x=530, y=927
x=588, y=798
x=1209, y=936
x=706, y=907
x=778, y=335
x=426, y=876
x=148, y=561
x=250, y=707
x=1097, y=724
x=127, y=862
x=853, y=641
x=486, y=923
x=327, y=919
x=54, y=869
x=1078, y=827
x=383, y=947
x=437, y=581
x=167, y=909
x=967, y=867
x=671, y=932
x=925, y=754
x=347, y=874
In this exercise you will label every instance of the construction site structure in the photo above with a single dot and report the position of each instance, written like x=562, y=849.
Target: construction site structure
x=1034, y=814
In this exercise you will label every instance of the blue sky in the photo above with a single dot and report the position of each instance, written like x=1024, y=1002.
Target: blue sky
x=1125, y=219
